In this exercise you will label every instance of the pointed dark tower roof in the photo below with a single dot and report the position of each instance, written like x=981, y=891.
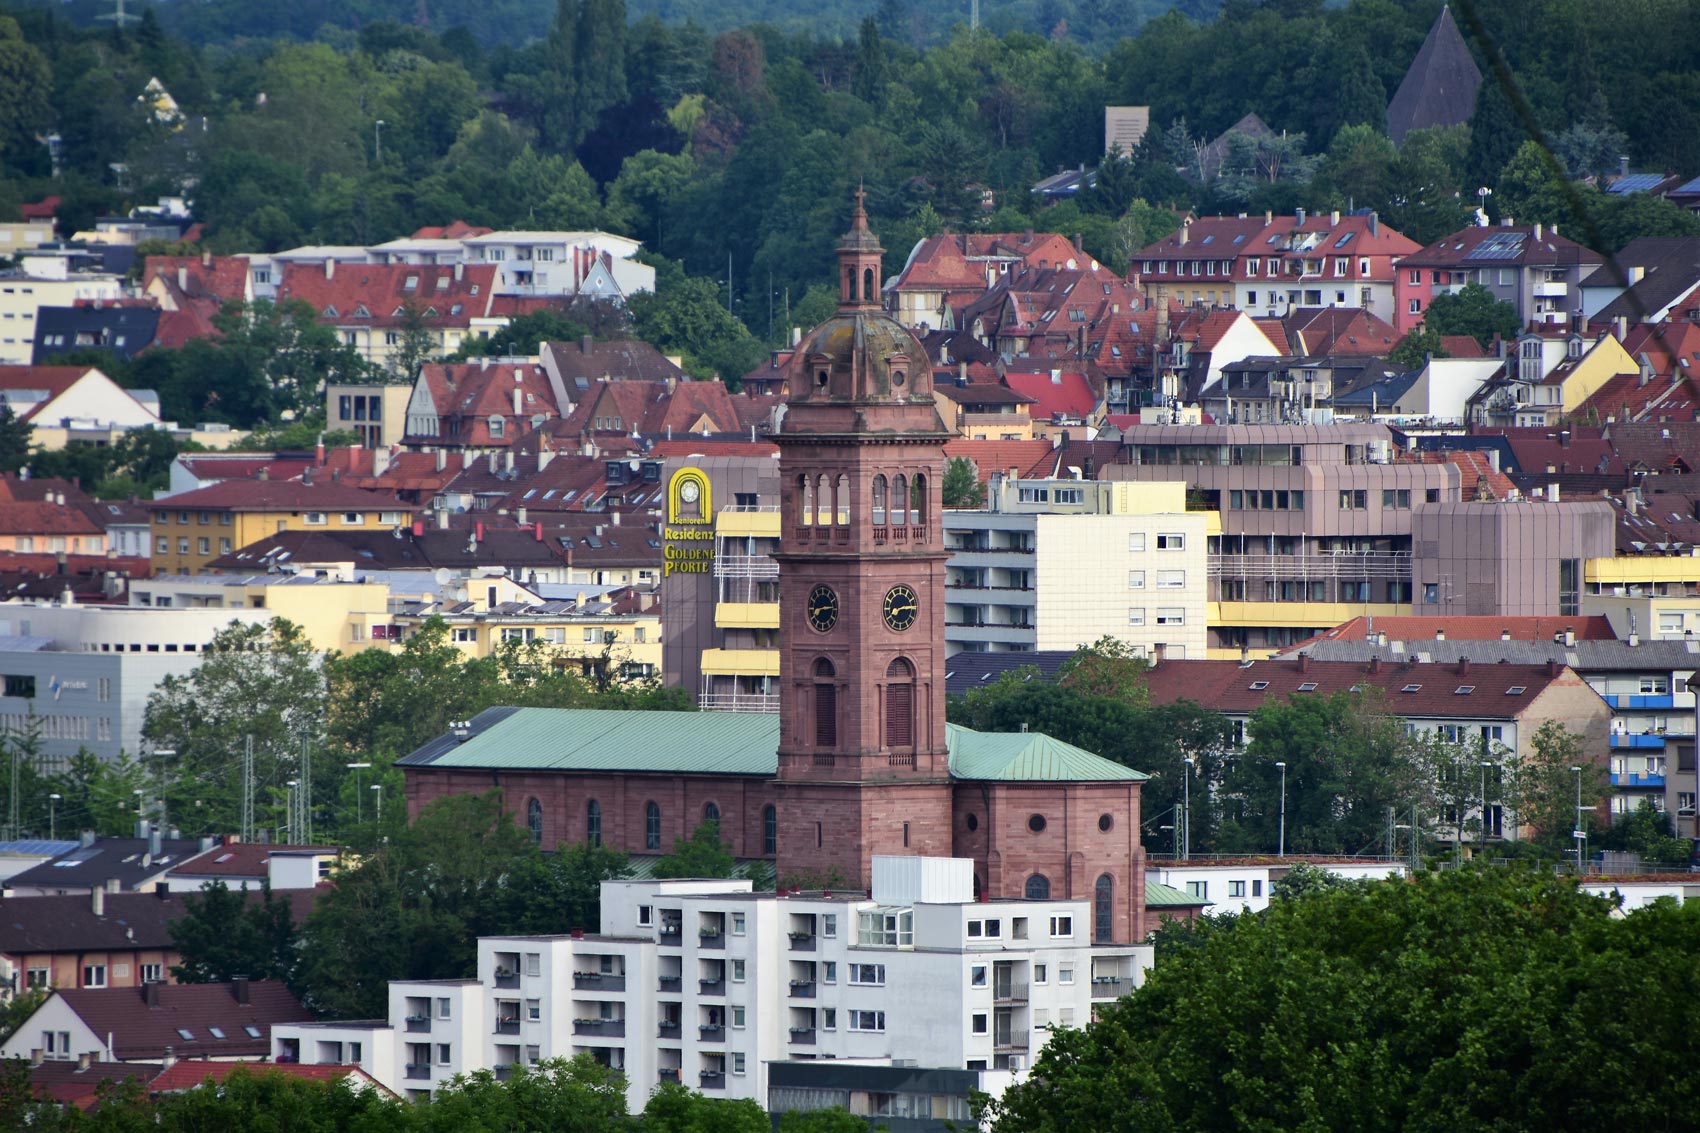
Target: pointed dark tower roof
x=1440, y=88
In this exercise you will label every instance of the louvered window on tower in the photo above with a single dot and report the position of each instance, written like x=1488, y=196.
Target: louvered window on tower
x=900, y=705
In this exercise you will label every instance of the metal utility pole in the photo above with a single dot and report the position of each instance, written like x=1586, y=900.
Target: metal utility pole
x=1281, y=846
x=247, y=788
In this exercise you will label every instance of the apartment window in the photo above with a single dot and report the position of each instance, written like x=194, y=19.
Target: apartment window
x=1655, y=686
x=94, y=975
x=829, y=1019
x=1171, y=580
x=497, y=427
x=737, y=971
x=981, y=1020
x=1416, y=276
x=444, y=1010
x=1136, y=580
x=38, y=977
x=769, y=830
x=1198, y=889
x=738, y=1059
x=870, y=975
x=533, y=963
x=314, y=519
x=1415, y=307
x=56, y=1044
x=738, y=925
x=985, y=929
x=829, y=925
x=1171, y=616
x=1396, y=497
x=1251, y=270
x=1040, y=973
x=646, y=914
x=224, y=546
x=1171, y=541
x=1354, y=499
x=203, y=545
x=534, y=1010
x=1431, y=592
x=183, y=545
x=1136, y=541
x=1670, y=623
x=1136, y=615
x=593, y=822
x=873, y=1021
x=162, y=545
x=1342, y=266
x=1065, y=974
x=977, y=975
x=1257, y=889
x=1236, y=889
x=445, y=1054
x=651, y=826
x=739, y=1017
x=1062, y=926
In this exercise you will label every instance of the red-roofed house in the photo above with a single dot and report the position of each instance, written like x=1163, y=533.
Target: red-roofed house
x=65, y=403
x=33, y=230
x=1023, y=460
x=220, y=1022
x=478, y=406
x=1061, y=399
x=181, y=1076
x=193, y=528
x=47, y=518
x=1340, y=331
x=78, y=1083
x=947, y=272
x=1533, y=268
x=374, y=306
x=174, y=281
x=1467, y=628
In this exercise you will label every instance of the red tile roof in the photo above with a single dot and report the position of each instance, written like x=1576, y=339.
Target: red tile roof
x=1060, y=393
x=73, y=1084
x=246, y=466
x=1626, y=398
x=378, y=295
x=467, y=395
x=1411, y=690
x=1469, y=628
x=221, y=278
x=454, y=230
x=52, y=380
x=1463, y=346
x=45, y=209
x=1035, y=459
x=1509, y=246
x=242, y=859
x=1348, y=332
x=276, y=495
x=190, y=1075
x=140, y=1031
x=1474, y=467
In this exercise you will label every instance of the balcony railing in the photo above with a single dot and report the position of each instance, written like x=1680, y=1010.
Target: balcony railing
x=1641, y=700
x=711, y=939
x=507, y=1026
x=1624, y=739
x=711, y=1032
x=506, y=979
x=418, y=1071
x=672, y=985
x=1350, y=565
x=504, y=1072
x=758, y=567
x=1637, y=779
x=669, y=1031
x=667, y=1074
x=1110, y=987
x=670, y=935
x=418, y=1023
x=598, y=981
x=1010, y=991
x=802, y=989
x=711, y=987
x=613, y=1028
x=1010, y=1040
x=803, y=1036
x=712, y=1079
x=738, y=701
x=802, y=942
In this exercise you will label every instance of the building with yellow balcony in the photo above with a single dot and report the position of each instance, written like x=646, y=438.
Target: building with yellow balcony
x=598, y=632
x=193, y=528
x=335, y=615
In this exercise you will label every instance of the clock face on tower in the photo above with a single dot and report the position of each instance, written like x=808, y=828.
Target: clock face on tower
x=823, y=609
x=901, y=607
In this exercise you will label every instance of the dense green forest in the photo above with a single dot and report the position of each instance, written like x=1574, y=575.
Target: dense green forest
x=732, y=154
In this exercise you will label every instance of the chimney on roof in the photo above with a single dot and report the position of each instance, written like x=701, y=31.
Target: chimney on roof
x=1374, y=224
x=460, y=272
x=97, y=901
x=206, y=258
x=150, y=992
x=519, y=515
x=85, y=1060
x=537, y=530
x=1505, y=635
x=1334, y=219
x=1463, y=666
x=1440, y=633
x=1299, y=215
x=1570, y=637
x=1159, y=654
x=1375, y=665
x=239, y=989
x=442, y=519
x=154, y=836
x=1185, y=229
x=1538, y=230
x=418, y=528
x=1552, y=492
x=182, y=277
x=1304, y=662
x=478, y=531
x=1552, y=666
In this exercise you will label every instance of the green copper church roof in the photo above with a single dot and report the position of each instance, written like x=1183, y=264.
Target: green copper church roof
x=719, y=743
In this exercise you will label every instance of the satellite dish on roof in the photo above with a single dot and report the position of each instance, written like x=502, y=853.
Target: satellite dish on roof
x=442, y=576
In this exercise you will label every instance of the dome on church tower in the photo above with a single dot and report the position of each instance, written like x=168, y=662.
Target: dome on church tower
x=861, y=356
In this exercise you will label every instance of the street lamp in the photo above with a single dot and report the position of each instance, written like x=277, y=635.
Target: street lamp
x=359, y=799
x=1281, y=850
x=1186, y=816
x=1485, y=765
x=378, y=142
x=379, y=787
x=1576, y=830
x=294, y=786
x=53, y=816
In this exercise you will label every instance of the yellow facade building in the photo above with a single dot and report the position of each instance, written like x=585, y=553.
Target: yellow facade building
x=193, y=528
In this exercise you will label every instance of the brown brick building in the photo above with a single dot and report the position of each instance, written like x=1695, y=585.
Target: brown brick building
x=859, y=760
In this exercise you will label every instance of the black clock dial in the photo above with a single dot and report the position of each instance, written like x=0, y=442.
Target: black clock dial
x=823, y=609
x=901, y=607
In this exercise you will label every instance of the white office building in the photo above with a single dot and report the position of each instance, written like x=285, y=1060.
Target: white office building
x=712, y=985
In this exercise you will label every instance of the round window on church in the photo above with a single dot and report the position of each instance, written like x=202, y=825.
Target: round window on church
x=1036, y=824
x=1106, y=822
x=973, y=823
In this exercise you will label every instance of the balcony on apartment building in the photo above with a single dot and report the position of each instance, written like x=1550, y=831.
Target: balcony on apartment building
x=610, y=1028
x=1317, y=564
x=599, y=981
x=1641, y=779
x=1638, y=740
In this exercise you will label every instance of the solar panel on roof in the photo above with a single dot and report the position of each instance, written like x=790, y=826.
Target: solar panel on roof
x=1499, y=246
x=1344, y=240
x=1635, y=183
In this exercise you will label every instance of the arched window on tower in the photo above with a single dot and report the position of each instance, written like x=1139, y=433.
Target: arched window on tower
x=769, y=829
x=870, y=291
x=806, y=499
x=534, y=820
x=823, y=501
x=1103, y=909
x=900, y=704
x=711, y=813
x=593, y=822
x=879, y=501
x=1038, y=888
x=826, y=705
x=843, y=498
x=899, y=499
x=651, y=826
x=918, y=500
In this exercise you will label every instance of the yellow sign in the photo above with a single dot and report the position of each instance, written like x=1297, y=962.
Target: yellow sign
x=690, y=521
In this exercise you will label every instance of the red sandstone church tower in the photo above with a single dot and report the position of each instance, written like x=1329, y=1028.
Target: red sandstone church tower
x=863, y=767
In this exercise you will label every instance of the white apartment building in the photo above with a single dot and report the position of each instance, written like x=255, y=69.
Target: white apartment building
x=1057, y=564
x=45, y=282
x=598, y=265
x=707, y=983
x=1241, y=885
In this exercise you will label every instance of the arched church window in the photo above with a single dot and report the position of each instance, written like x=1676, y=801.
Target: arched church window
x=899, y=499
x=651, y=826
x=769, y=829
x=806, y=499
x=593, y=822
x=843, y=498
x=879, y=501
x=1038, y=888
x=918, y=500
x=534, y=820
x=826, y=705
x=900, y=704
x=1103, y=909
x=868, y=288
x=823, y=500
x=711, y=813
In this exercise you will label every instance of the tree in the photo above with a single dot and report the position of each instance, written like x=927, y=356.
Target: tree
x=26, y=86
x=577, y=1096
x=560, y=891
x=1472, y=310
x=688, y=316
x=258, y=681
x=1414, y=350
x=674, y=1109
x=523, y=337
x=225, y=933
x=703, y=854
x=961, y=484
x=1362, y=98
x=1107, y=667
x=15, y=438
x=1646, y=831
x=1547, y=777
x=1388, y=1006
x=1359, y=166
x=1495, y=134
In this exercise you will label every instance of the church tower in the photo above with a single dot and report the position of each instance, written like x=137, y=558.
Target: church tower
x=863, y=766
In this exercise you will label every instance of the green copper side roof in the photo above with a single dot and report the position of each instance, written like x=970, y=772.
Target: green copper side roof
x=1160, y=896
x=719, y=743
